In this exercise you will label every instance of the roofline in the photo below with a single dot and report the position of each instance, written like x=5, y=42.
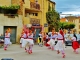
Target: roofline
x=52, y=1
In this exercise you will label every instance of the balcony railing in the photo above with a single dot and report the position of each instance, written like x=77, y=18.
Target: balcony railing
x=34, y=5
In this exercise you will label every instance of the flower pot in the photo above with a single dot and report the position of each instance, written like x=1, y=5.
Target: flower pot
x=1, y=10
x=13, y=11
x=6, y=11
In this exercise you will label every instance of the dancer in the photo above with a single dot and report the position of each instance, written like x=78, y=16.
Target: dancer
x=60, y=45
x=52, y=40
x=75, y=44
x=6, y=40
x=28, y=43
x=23, y=36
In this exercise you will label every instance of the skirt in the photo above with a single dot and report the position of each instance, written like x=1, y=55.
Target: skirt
x=7, y=41
x=75, y=45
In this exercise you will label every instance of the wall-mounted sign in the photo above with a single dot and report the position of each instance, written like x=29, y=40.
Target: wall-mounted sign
x=45, y=25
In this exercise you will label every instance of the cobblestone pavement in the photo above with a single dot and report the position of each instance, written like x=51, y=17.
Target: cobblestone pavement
x=39, y=53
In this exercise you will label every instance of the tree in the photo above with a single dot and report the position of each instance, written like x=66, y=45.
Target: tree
x=53, y=19
x=67, y=25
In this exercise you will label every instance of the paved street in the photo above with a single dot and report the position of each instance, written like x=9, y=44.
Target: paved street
x=39, y=53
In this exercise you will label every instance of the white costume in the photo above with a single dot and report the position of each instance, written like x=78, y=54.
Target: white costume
x=28, y=40
x=52, y=40
x=23, y=37
x=60, y=44
x=7, y=39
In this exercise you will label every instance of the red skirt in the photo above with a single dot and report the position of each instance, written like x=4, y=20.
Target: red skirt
x=75, y=45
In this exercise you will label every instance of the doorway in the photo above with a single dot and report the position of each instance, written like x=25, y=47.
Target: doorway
x=38, y=30
x=13, y=33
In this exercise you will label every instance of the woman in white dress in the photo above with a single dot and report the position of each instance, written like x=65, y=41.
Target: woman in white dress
x=6, y=40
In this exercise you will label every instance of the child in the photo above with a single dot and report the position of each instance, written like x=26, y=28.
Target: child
x=40, y=41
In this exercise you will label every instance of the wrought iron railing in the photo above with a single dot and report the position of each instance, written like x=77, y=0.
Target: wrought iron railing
x=34, y=5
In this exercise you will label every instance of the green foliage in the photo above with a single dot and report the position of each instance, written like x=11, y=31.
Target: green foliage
x=67, y=25
x=12, y=9
x=53, y=19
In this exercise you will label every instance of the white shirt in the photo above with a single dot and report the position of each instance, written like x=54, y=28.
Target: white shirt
x=73, y=39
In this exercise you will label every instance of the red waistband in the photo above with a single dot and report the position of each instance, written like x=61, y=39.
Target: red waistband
x=7, y=37
x=30, y=38
x=60, y=39
x=53, y=38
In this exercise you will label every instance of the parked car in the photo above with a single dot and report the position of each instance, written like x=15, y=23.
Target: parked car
x=68, y=41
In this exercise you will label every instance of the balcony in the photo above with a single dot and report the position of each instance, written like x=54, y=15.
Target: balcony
x=34, y=5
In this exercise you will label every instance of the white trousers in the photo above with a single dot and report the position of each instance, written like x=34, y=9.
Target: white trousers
x=60, y=45
x=51, y=42
x=27, y=41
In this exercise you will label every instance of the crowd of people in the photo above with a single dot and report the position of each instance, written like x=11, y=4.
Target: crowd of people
x=54, y=41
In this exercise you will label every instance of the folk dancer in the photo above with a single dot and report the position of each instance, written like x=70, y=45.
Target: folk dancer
x=62, y=33
x=23, y=36
x=75, y=44
x=60, y=45
x=6, y=40
x=28, y=43
x=52, y=40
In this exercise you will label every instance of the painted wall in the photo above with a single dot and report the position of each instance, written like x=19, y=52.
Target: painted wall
x=41, y=13
x=5, y=2
x=17, y=21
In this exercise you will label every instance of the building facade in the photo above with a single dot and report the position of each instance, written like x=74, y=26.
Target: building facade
x=34, y=13
x=10, y=21
x=31, y=12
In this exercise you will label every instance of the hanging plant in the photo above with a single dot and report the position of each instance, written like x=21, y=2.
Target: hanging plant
x=9, y=9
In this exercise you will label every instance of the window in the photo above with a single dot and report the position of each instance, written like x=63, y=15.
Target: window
x=33, y=14
x=36, y=14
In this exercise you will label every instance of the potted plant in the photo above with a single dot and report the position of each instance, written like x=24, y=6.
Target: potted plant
x=13, y=9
